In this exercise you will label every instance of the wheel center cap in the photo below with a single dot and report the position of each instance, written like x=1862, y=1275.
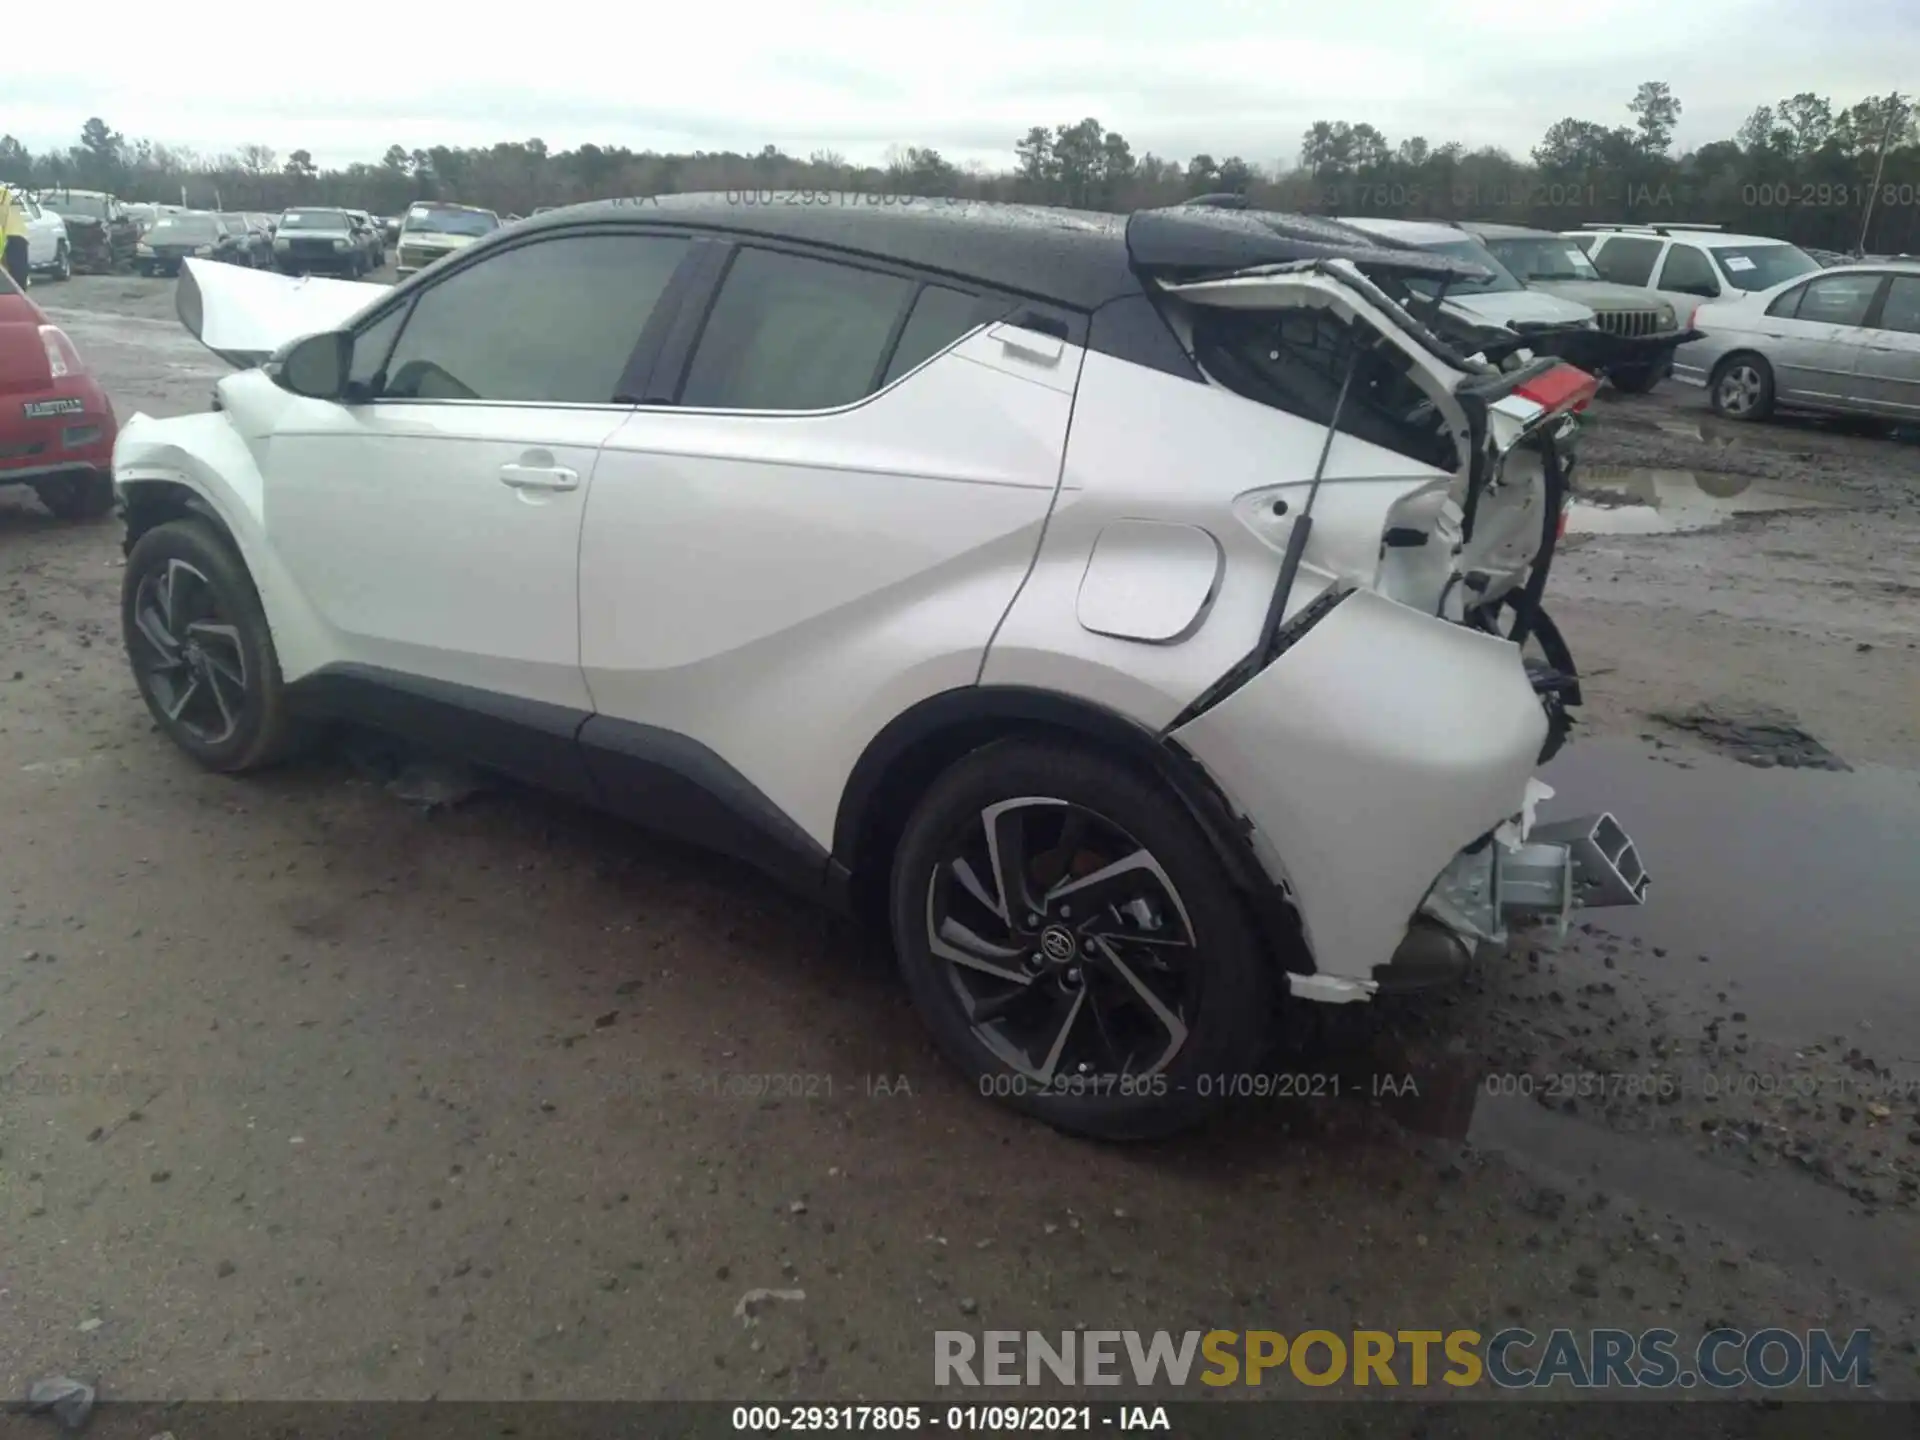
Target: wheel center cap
x=1057, y=943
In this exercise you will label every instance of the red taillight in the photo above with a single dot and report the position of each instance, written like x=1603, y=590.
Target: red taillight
x=1563, y=388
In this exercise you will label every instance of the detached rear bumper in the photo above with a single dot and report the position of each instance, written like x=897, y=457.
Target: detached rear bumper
x=1365, y=761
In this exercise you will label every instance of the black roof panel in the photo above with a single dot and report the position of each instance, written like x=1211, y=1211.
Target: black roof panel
x=1079, y=258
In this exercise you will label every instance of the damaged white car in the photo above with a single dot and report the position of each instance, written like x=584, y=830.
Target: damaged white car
x=1135, y=613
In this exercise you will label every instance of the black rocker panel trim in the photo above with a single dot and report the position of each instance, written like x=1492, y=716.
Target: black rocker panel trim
x=655, y=778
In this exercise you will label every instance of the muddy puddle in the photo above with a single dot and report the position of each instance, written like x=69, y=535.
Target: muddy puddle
x=1615, y=501
x=1771, y=980
x=1798, y=885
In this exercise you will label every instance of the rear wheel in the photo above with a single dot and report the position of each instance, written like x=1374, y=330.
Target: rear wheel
x=201, y=651
x=1068, y=935
x=83, y=495
x=62, y=262
x=1742, y=388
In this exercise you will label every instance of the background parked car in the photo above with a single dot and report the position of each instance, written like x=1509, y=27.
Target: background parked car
x=49, y=252
x=1685, y=264
x=253, y=239
x=57, y=427
x=200, y=234
x=319, y=238
x=430, y=230
x=372, y=239
x=1642, y=329
x=100, y=232
x=390, y=229
x=1845, y=340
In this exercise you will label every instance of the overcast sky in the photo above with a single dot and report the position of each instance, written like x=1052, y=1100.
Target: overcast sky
x=1175, y=77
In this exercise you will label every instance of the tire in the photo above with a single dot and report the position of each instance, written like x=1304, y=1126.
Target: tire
x=1741, y=388
x=238, y=719
x=62, y=262
x=1635, y=382
x=84, y=496
x=1211, y=974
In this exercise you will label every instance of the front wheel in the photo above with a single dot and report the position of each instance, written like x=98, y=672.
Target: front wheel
x=1742, y=388
x=1074, y=945
x=62, y=262
x=200, y=649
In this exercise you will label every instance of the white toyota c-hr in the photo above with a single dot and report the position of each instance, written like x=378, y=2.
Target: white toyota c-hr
x=1138, y=613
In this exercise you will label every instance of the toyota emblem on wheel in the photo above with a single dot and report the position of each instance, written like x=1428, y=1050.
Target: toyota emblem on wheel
x=1058, y=945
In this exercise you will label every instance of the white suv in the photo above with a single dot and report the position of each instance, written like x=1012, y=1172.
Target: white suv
x=1690, y=265
x=1128, y=612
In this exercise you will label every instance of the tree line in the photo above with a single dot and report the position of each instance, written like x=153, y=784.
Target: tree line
x=1802, y=169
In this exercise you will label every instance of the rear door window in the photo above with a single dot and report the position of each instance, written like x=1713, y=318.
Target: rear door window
x=1901, y=309
x=1838, y=299
x=1627, y=259
x=789, y=332
x=940, y=317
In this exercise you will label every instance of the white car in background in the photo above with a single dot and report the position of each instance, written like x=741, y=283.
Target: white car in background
x=1143, y=652
x=1500, y=299
x=49, y=252
x=1687, y=265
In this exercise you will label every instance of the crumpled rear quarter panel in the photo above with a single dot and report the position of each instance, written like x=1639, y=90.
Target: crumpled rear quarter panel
x=1375, y=748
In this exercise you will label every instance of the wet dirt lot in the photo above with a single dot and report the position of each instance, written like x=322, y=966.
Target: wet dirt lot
x=310, y=1092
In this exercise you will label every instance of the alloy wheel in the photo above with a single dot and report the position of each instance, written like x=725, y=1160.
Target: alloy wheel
x=1740, y=390
x=1071, y=952
x=194, y=665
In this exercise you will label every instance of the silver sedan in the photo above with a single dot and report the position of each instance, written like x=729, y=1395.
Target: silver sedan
x=1845, y=340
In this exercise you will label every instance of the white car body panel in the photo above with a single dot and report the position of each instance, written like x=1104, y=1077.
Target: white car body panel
x=46, y=233
x=356, y=490
x=244, y=315
x=778, y=587
x=782, y=586
x=1419, y=732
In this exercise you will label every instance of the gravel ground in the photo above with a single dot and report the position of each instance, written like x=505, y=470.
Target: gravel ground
x=314, y=1093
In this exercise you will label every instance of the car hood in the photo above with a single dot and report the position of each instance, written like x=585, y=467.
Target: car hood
x=244, y=316
x=1520, y=307
x=1598, y=294
x=435, y=240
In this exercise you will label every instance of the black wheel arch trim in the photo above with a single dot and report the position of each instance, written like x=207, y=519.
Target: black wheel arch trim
x=993, y=712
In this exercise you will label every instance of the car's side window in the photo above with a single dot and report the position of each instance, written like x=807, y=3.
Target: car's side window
x=1689, y=271
x=1901, y=309
x=940, y=317
x=1838, y=299
x=555, y=321
x=1627, y=259
x=788, y=332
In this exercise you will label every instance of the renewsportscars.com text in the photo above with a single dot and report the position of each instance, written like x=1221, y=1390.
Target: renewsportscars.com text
x=1511, y=1359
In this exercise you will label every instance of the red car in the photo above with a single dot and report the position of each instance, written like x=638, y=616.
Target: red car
x=56, y=423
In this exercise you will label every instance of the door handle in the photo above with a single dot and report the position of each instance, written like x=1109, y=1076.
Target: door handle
x=539, y=477
x=1042, y=348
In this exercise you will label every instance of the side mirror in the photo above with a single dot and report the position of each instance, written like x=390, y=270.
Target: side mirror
x=318, y=366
